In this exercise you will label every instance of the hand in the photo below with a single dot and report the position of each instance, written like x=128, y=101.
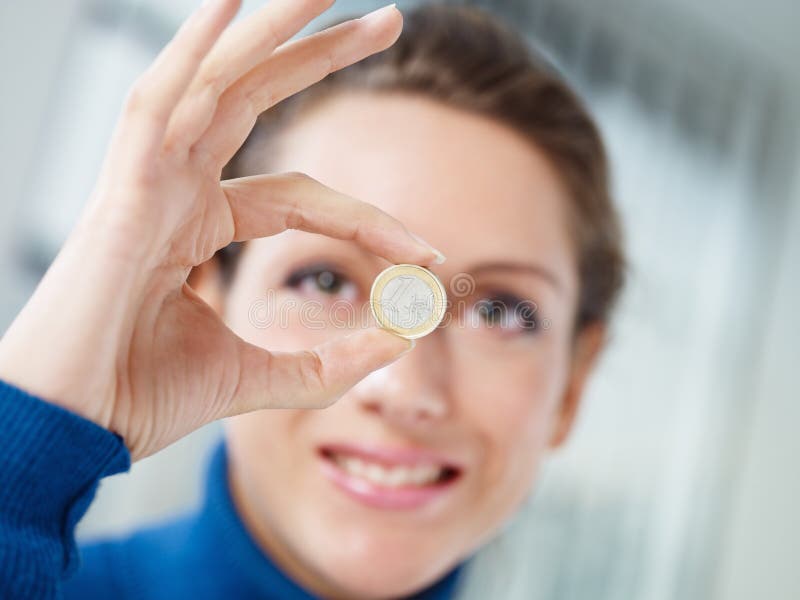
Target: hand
x=113, y=332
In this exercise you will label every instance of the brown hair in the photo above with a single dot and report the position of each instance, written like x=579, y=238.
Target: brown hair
x=466, y=58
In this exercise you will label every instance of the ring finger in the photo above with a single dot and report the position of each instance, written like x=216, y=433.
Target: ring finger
x=240, y=48
x=293, y=67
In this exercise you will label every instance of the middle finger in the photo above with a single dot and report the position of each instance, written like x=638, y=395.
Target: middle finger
x=293, y=67
x=240, y=48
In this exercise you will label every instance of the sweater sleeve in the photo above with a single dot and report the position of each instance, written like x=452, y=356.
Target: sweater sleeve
x=51, y=461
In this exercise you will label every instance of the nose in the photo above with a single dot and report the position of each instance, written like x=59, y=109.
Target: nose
x=412, y=392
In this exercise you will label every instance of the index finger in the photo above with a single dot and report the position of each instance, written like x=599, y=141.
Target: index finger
x=263, y=205
x=248, y=43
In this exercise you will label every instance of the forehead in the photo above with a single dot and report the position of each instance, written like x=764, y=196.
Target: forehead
x=470, y=186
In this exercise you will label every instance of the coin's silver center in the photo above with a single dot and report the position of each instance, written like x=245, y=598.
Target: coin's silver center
x=407, y=301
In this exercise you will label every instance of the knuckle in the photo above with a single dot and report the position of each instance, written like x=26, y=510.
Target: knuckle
x=213, y=81
x=262, y=99
x=251, y=104
x=145, y=177
x=138, y=102
x=208, y=160
x=374, y=215
x=312, y=372
x=136, y=99
x=270, y=36
x=298, y=176
x=330, y=63
x=295, y=218
x=196, y=53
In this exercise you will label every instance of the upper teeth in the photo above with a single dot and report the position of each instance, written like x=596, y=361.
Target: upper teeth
x=389, y=476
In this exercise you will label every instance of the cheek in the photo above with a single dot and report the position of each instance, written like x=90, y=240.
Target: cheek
x=512, y=407
x=262, y=439
x=257, y=444
x=512, y=392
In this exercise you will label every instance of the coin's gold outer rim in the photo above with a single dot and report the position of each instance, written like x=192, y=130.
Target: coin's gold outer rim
x=439, y=293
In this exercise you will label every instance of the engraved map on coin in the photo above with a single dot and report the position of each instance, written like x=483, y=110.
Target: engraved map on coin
x=407, y=301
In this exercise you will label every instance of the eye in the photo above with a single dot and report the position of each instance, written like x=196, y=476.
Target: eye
x=507, y=312
x=323, y=280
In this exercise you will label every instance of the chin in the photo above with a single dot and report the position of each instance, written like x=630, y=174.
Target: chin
x=366, y=564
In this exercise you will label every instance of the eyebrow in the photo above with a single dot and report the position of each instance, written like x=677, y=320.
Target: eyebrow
x=522, y=267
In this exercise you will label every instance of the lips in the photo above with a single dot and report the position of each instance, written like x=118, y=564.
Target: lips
x=390, y=478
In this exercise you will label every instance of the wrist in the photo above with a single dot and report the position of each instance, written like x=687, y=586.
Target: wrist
x=64, y=343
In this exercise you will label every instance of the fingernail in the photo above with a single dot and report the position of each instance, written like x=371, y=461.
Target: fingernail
x=440, y=258
x=413, y=343
x=377, y=14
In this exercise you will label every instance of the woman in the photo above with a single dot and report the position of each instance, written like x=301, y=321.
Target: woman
x=154, y=319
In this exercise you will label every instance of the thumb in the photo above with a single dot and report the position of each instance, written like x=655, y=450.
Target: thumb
x=313, y=378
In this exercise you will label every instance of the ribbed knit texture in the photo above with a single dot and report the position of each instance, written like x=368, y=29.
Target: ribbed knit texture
x=50, y=463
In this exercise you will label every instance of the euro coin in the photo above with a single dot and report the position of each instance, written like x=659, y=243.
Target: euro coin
x=408, y=300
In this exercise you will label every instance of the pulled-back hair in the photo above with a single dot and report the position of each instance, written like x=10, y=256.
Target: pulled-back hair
x=466, y=58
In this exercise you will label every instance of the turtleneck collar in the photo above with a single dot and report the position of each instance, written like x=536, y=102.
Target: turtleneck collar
x=222, y=532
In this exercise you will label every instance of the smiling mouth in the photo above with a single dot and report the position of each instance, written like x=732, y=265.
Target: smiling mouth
x=386, y=475
x=388, y=479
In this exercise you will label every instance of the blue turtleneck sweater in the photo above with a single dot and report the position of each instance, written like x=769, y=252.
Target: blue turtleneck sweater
x=51, y=461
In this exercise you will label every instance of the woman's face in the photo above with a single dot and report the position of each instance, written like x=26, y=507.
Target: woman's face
x=423, y=460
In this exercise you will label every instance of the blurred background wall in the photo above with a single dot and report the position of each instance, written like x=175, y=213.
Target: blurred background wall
x=681, y=479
